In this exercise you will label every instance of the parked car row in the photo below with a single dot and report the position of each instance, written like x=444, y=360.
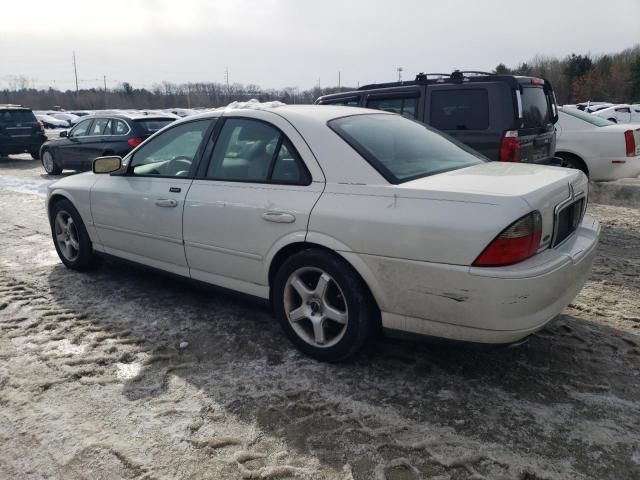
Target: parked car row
x=347, y=219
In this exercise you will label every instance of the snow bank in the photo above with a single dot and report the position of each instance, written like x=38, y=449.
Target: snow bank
x=254, y=104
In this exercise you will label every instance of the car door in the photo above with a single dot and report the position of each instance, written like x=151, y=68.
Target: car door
x=255, y=192
x=138, y=215
x=70, y=153
x=92, y=145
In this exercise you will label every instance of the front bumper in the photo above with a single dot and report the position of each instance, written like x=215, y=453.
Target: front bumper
x=485, y=305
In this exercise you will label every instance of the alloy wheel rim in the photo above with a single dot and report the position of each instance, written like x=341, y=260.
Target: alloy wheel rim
x=47, y=160
x=67, y=236
x=316, y=307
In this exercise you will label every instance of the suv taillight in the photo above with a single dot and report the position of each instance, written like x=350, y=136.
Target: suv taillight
x=134, y=142
x=630, y=143
x=510, y=147
x=516, y=243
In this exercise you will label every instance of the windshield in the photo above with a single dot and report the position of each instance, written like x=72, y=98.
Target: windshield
x=535, y=107
x=587, y=117
x=402, y=149
x=152, y=125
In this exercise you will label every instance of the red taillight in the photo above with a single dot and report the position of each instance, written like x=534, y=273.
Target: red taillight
x=134, y=142
x=517, y=242
x=630, y=143
x=510, y=147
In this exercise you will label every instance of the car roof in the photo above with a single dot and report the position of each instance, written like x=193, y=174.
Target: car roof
x=10, y=106
x=319, y=114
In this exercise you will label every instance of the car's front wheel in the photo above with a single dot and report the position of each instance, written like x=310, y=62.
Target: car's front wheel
x=49, y=163
x=70, y=236
x=323, y=305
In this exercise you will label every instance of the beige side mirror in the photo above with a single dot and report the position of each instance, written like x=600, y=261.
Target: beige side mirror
x=107, y=164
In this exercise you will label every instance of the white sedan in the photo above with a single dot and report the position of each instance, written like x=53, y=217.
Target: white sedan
x=601, y=149
x=623, y=113
x=347, y=219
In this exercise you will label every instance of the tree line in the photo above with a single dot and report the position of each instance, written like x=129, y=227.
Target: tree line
x=578, y=78
x=575, y=78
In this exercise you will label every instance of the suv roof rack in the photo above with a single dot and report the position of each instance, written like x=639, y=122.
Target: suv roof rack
x=457, y=76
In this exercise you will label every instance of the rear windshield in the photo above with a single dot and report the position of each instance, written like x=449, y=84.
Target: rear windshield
x=17, y=116
x=587, y=117
x=402, y=149
x=535, y=107
x=152, y=125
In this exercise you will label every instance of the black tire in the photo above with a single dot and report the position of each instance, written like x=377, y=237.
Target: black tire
x=571, y=161
x=35, y=153
x=51, y=168
x=85, y=256
x=348, y=288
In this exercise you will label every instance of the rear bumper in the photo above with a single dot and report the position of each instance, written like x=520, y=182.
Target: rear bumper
x=20, y=145
x=485, y=305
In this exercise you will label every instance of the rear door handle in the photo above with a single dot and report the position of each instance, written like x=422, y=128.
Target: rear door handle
x=166, y=202
x=278, y=217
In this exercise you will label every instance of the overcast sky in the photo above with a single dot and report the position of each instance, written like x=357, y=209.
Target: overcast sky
x=277, y=43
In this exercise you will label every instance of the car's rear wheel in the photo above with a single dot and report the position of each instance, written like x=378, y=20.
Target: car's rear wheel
x=35, y=153
x=571, y=161
x=323, y=305
x=49, y=163
x=70, y=236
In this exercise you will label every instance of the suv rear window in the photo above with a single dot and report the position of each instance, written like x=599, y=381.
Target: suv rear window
x=17, y=116
x=402, y=149
x=535, y=107
x=466, y=109
x=152, y=125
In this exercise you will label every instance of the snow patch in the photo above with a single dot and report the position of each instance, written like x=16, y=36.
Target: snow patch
x=253, y=104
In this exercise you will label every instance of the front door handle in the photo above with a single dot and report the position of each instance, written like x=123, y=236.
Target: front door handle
x=166, y=202
x=278, y=217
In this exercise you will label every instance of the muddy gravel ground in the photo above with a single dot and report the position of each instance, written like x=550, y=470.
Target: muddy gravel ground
x=95, y=385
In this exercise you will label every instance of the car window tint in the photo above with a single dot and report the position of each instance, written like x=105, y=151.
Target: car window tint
x=119, y=127
x=288, y=167
x=99, y=126
x=535, y=107
x=350, y=101
x=402, y=149
x=17, y=116
x=402, y=105
x=464, y=109
x=244, y=151
x=152, y=125
x=82, y=129
x=172, y=152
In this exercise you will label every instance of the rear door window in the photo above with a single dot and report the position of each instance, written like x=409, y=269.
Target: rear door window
x=119, y=127
x=406, y=106
x=535, y=107
x=463, y=109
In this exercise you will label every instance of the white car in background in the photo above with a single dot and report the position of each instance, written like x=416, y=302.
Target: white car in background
x=623, y=113
x=346, y=218
x=51, y=122
x=68, y=117
x=600, y=148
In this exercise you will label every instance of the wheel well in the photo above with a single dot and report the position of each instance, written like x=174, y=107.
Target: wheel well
x=294, y=248
x=614, y=120
x=579, y=162
x=55, y=199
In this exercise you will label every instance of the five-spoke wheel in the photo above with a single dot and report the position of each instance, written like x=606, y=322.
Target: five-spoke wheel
x=323, y=305
x=70, y=236
x=67, y=235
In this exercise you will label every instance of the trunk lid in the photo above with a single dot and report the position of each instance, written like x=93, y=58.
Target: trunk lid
x=544, y=188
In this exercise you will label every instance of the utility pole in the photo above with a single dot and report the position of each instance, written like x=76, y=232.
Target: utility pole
x=75, y=71
x=226, y=77
x=400, y=74
x=338, y=78
x=104, y=78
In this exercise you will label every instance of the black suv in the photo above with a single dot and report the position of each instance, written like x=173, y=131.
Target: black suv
x=96, y=136
x=20, y=131
x=504, y=117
